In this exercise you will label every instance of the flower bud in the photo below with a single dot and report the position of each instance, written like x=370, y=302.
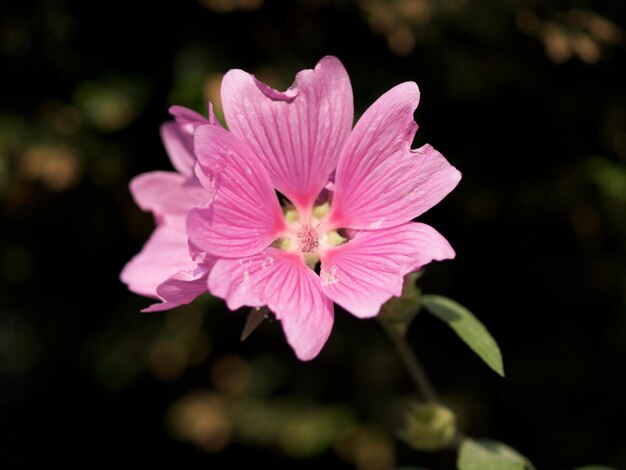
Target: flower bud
x=429, y=427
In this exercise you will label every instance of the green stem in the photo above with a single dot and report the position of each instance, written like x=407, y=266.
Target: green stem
x=419, y=377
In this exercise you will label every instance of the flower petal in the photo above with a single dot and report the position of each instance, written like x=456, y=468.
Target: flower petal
x=190, y=119
x=297, y=134
x=181, y=288
x=282, y=281
x=168, y=194
x=178, y=136
x=164, y=254
x=245, y=216
x=364, y=273
x=380, y=182
x=179, y=146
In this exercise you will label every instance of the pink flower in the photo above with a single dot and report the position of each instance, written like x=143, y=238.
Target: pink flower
x=352, y=195
x=164, y=269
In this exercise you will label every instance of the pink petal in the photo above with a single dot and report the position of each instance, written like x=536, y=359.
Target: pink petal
x=164, y=254
x=364, y=273
x=178, y=136
x=245, y=216
x=179, y=146
x=282, y=281
x=188, y=118
x=168, y=194
x=297, y=134
x=380, y=182
x=181, y=288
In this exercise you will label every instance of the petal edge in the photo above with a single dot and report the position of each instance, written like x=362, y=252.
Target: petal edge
x=297, y=134
x=380, y=181
x=364, y=273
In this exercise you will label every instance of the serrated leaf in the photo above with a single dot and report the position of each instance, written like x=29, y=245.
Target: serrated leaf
x=468, y=327
x=485, y=454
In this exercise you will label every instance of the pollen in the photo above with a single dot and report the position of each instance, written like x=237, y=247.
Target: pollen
x=308, y=238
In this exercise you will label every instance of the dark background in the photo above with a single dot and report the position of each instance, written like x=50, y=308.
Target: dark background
x=528, y=101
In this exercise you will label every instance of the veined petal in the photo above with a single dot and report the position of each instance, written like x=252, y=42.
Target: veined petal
x=364, y=273
x=297, y=134
x=164, y=254
x=245, y=216
x=177, y=136
x=179, y=146
x=168, y=194
x=181, y=288
x=380, y=182
x=190, y=119
x=282, y=281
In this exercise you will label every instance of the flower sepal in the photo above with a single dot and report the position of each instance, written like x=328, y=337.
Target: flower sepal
x=398, y=312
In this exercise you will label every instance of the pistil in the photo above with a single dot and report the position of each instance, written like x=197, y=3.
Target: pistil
x=308, y=238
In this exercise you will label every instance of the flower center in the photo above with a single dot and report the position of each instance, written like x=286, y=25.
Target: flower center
x=307, y=234
x=308, y=238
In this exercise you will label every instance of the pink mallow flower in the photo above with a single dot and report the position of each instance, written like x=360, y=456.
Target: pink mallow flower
x=165, y=269
x=351, y=195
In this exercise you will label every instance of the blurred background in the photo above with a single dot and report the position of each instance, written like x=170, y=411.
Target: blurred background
x=525, y=97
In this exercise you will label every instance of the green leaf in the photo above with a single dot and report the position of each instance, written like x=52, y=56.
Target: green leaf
x=595, y=467
x=468, y=327
x=485, y=454
x=410, y=468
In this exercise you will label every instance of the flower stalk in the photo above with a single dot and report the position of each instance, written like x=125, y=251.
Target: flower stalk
x=424, y=387
x=395, y=317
